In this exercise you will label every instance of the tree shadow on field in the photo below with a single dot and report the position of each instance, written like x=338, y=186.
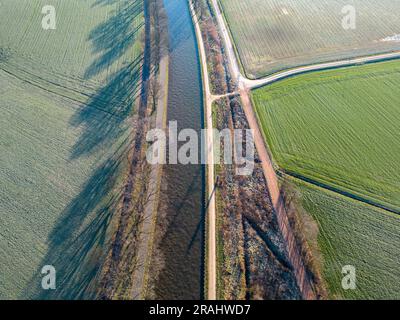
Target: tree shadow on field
x=111, y=39
x=79, y=242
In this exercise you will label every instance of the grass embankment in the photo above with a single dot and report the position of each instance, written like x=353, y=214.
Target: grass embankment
x=274, y=35
x=67, y=101
x=340, y=128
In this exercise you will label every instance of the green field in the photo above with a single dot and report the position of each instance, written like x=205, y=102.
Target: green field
x=351, y=233
x=338, y=127
x=67, y=101
x=271, y=35
x=341, y=128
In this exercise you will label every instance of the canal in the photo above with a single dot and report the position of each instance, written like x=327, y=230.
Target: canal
x=183, y=202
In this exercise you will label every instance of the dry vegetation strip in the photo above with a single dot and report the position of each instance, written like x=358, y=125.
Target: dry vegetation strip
x=240, y=273
x=251, y=251
x=176, y=269
x=341, y=128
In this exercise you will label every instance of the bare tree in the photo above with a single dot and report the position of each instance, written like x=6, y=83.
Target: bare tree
x=154, y=93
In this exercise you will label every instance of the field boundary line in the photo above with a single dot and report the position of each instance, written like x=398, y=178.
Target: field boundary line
x=294, y=256
x=157, y=171
x=255, y=84
x=243, y=71
x=149, y=221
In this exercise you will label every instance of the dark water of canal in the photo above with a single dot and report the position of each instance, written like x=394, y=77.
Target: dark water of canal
x=183, y=201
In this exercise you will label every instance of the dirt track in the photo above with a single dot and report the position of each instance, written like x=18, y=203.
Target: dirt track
x=245, y=85
x=148, y=224
x=211, y=216
x=269, y=172
x=251, y=84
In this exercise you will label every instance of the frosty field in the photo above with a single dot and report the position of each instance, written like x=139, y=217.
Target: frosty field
x=272, y=35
